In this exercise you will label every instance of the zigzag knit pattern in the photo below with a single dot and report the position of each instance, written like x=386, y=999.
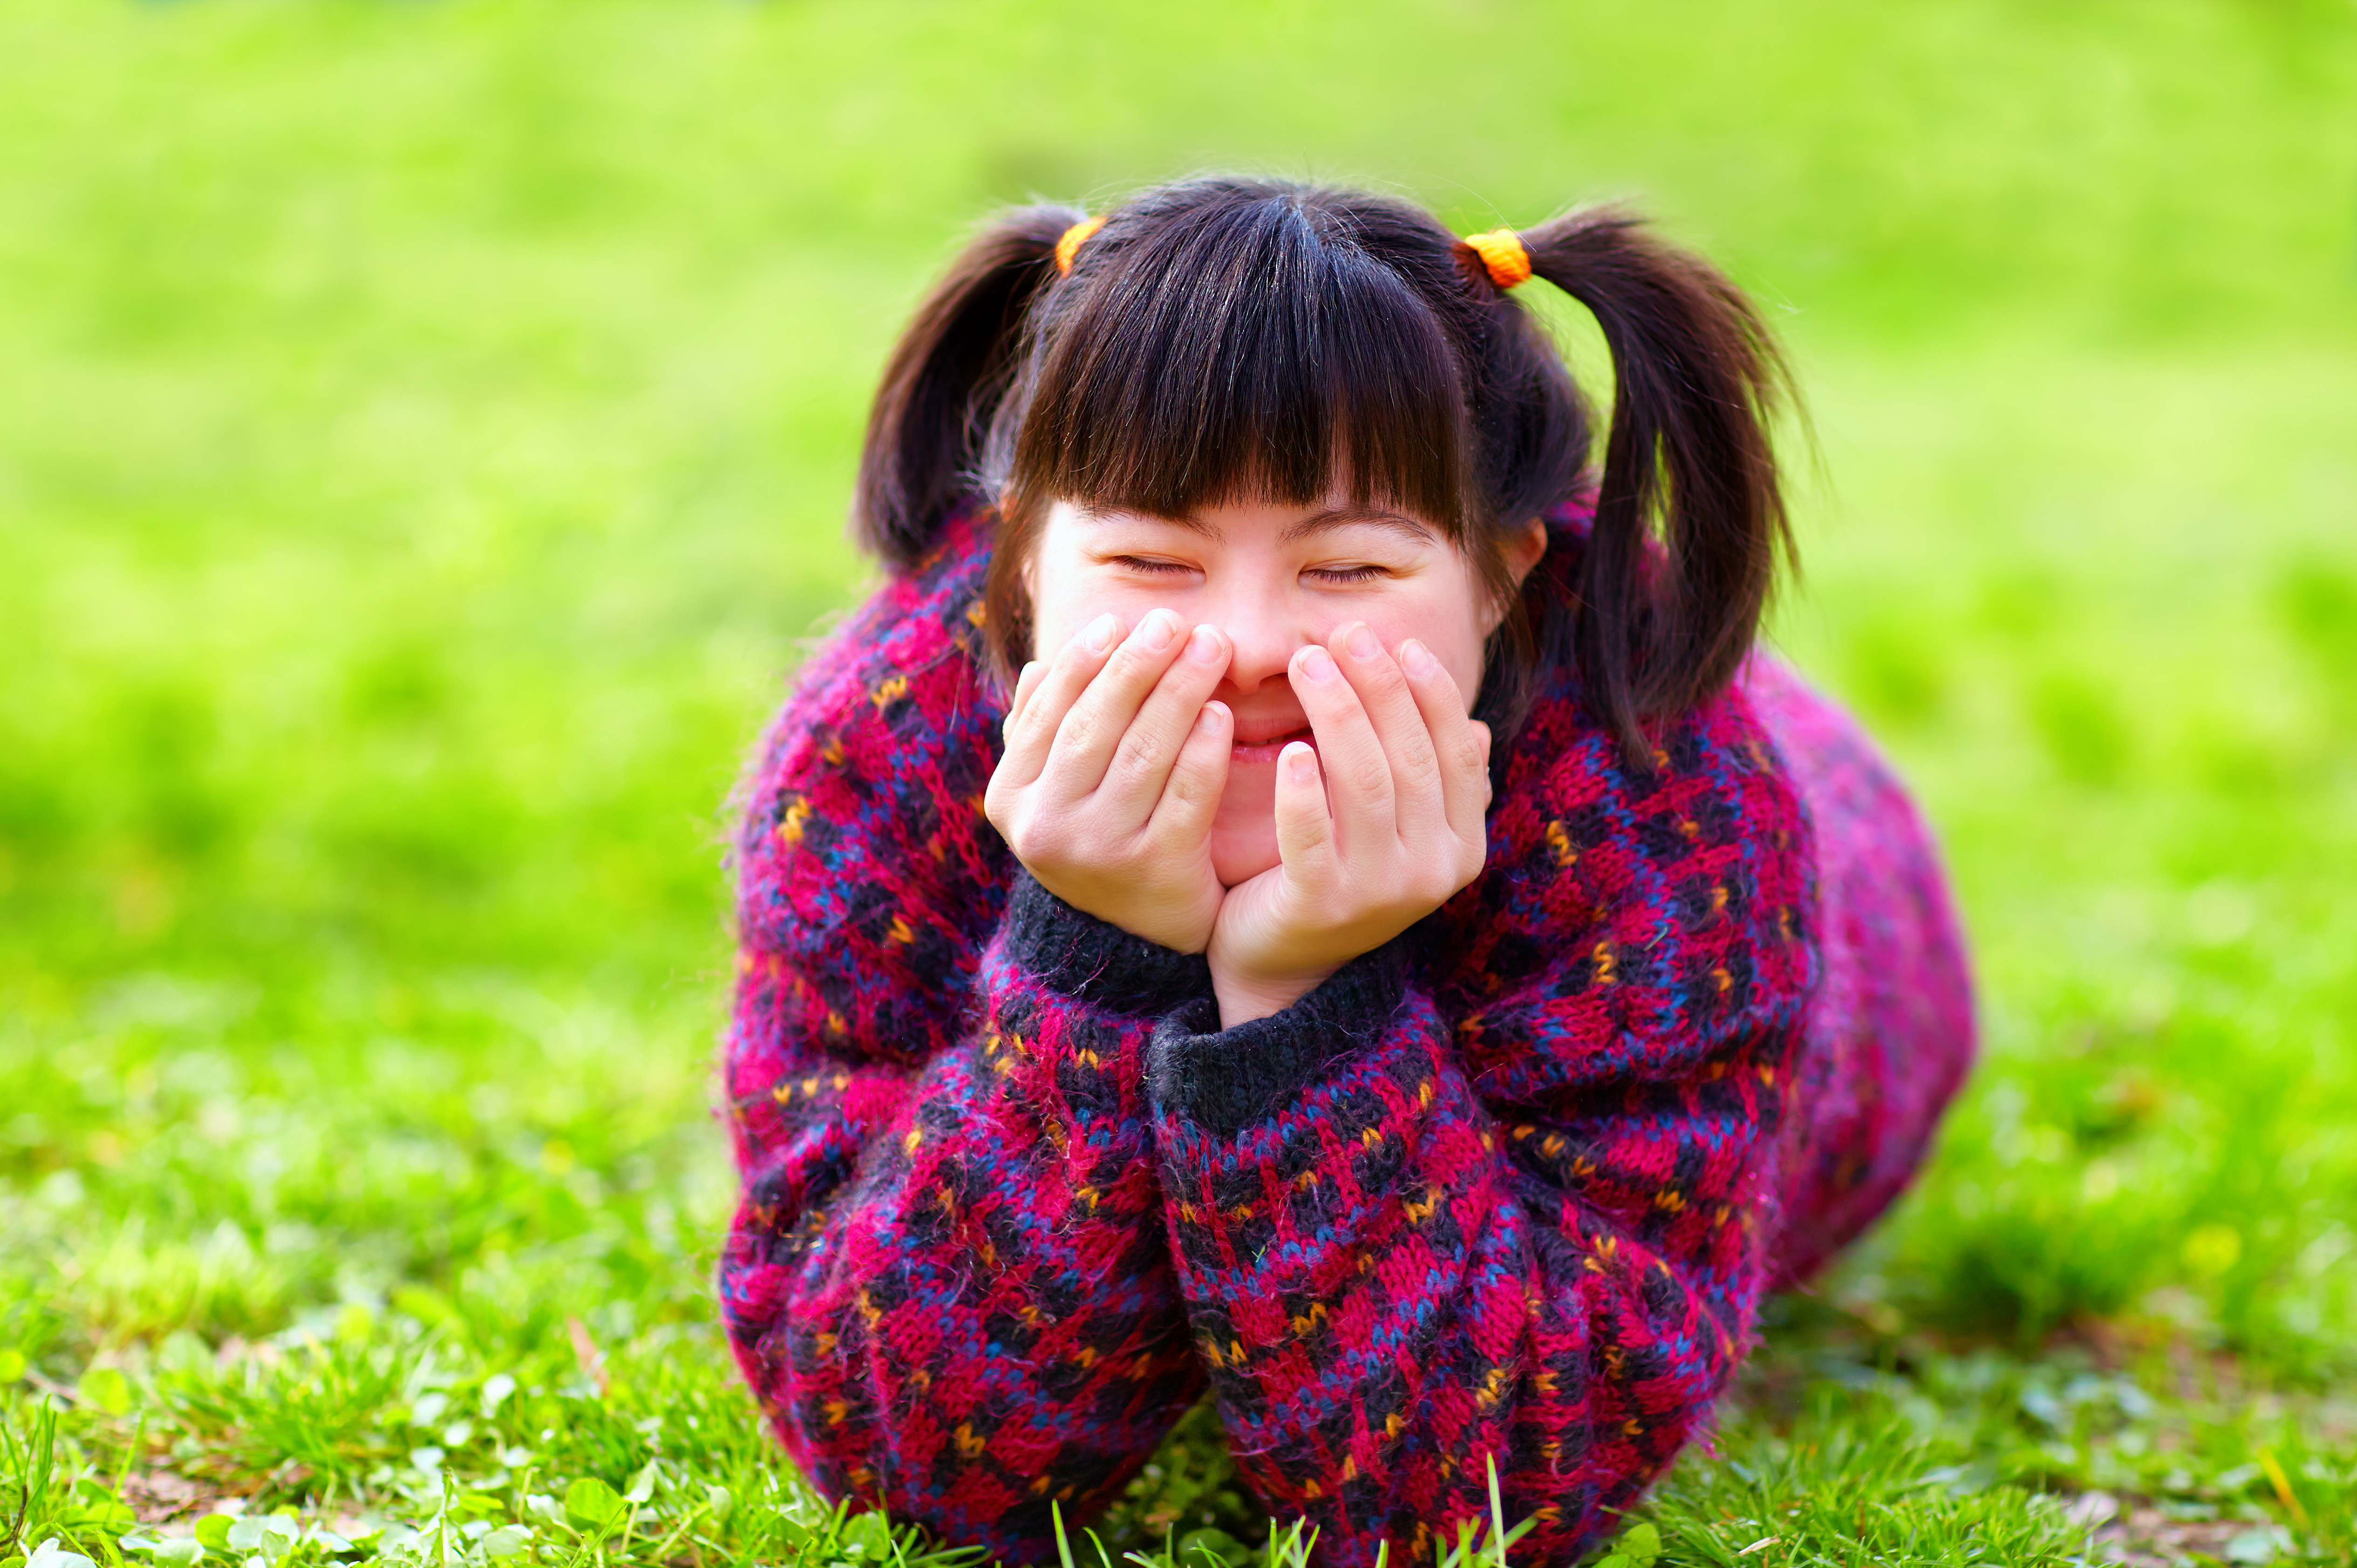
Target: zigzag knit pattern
x=1510, y=1188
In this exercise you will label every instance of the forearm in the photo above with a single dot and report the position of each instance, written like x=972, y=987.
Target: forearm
x=978, y=1316
x=1388, y=1298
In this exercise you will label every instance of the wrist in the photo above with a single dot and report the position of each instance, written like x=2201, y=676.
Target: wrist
x=1183, y=929
x=1244, y=997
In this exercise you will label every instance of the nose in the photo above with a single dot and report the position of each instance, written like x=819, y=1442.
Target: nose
x=1263, y=632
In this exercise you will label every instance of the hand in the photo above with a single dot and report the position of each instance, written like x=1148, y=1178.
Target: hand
x=1377, y=826
x=1114, y=762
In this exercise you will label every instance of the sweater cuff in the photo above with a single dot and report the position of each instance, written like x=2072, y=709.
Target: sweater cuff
x=1227, y=1079
x=1074, y=954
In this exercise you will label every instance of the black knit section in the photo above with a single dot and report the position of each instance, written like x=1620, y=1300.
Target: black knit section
x=1074, y=954
x=1226, y=1079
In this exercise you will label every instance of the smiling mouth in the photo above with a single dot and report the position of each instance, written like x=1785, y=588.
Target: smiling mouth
x=1267, y=748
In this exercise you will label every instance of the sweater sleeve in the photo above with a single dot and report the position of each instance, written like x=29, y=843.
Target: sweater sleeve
x=1500, y=1190
x=947, y=1280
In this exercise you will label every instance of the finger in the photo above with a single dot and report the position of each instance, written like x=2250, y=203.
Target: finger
x=1101, y=714
x=1140, y=769
x=1024, y=684
x=1031, y=730
x=1461, y=744
x=1400, y=726
x=1357, y=774
x=1305, y=827
x=1183, y=816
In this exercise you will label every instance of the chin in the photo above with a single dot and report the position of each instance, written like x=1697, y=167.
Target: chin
x=1244, y=829
x=1240, y=857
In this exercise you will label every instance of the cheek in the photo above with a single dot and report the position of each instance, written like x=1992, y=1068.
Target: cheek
x=1053, y=587
x=1447, y=623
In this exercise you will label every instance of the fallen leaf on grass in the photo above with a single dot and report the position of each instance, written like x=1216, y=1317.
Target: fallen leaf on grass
x=158, y=1495
x=2146, y=1538
x=584, y=1350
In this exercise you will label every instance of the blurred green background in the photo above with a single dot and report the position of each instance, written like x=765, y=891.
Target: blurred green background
x=424, y=437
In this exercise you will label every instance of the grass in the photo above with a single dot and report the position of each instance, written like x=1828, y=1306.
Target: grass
x=424, y=433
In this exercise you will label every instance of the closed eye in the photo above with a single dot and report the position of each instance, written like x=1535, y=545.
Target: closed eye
x=1345, y=573
x=1151, y=567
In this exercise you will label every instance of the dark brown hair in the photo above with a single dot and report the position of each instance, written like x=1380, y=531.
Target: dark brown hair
x=1223, y=338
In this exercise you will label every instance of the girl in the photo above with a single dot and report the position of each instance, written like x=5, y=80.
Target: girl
x=1394, y=953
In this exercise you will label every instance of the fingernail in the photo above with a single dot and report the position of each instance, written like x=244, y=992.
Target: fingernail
x=1318, y=664
x=1301, y=761
x=1213, y=716
x=1203, y=647
x=1363, y=643
x=1419, y=663
x=1156, y=633
x=1098, y=636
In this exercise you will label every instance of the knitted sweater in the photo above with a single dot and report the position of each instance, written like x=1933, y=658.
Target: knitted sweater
x=1510, y=1186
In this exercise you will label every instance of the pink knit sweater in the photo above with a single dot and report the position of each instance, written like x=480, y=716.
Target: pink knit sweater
x=1510, y=1188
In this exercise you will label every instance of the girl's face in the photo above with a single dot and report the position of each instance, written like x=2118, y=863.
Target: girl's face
x=1273, y=577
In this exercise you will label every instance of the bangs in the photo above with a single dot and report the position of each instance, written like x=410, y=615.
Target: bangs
x=1240, y=349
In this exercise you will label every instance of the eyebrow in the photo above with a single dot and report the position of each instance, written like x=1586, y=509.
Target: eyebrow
x=1345, y=516
x=1323, y=520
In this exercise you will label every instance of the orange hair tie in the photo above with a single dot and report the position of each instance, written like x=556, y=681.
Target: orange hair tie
x=1504, y=254
x=1074, y=237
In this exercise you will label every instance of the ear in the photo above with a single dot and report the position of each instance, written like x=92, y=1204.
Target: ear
x=1026, y=584
x=1521, y=552
x=1029, y=573
x=1523, y=549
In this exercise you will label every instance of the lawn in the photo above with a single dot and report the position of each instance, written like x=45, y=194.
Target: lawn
x=424, y=435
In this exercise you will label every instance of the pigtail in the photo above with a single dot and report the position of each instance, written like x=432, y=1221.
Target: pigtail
x=944, y=380
x=1698, y=383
